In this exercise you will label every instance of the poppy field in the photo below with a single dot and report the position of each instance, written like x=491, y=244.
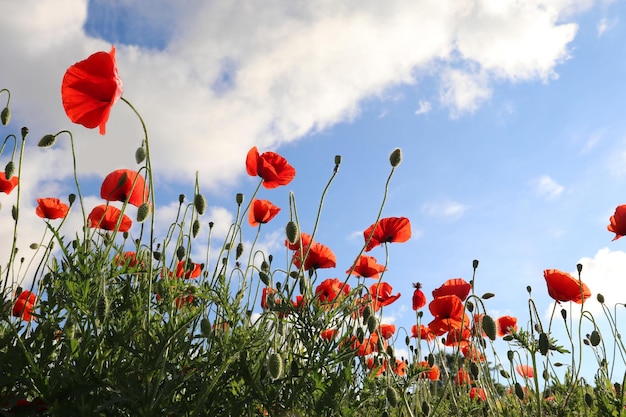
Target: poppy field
x=115, y=319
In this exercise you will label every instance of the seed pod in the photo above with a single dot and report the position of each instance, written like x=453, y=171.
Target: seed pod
x=392, y=396
x=489, y=327
x=142, y=212
x=47, y=141
x=275, y=365
x=544, y=344
x=195, y=228
x=293, y=234
x=140, y=154
x=519, y=391
x=5, y=116
x=199, y=202
x=239, y=199
x=594, y=338
x=396, y=157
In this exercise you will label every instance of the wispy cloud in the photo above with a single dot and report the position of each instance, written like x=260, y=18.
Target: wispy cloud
x=545, y=186
x=605, y=25
x=423, y=107
x=448, y=209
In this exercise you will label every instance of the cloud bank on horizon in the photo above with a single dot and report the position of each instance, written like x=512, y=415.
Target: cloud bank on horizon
x=221, y=77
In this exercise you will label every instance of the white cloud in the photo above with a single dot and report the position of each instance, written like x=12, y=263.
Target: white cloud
x=463, y=92
x=423, y=107
x=545, y=186
x=605, y=25
x=449, y=209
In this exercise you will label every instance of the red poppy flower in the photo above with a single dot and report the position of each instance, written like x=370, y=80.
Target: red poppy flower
x=390, y=229
x=387, y=330
x=125, y=185
x=525, y=371
x=317, y=256
x=471, y=352
x=188, y=269
x=505, y=324
x=423, y=333
x=419, y=299
x=426, y=371
x=261, y=211
x=24, y=305
x=381, y=295
x=299, y=302
x=268, y=298
x=180, y=302
x=270, y=166
x=376, y=366
x=449, y=314
x=478, y=394
x=618, y=222
x=331, y=289
x=51, y=208
x=366, y=267
x=6, y=186
x=400, y=368
x=90, y=88
x=564, y=287
x=463, y=377
x=106, y=218
x=456, y=286
x=305, y=240
x=369, y=345
x=127, y=259
x=328, y=334
x=456, y=337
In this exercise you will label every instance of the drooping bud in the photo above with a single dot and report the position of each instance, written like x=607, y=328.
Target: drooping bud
x=488, y=295
x=275, y=365
x=392, y=397
x=205, y=327
x=504, y=374
x=264, y=278
x=473, y=369
x=594, y=338
x=9, y=170
x=47, y=141
x=489, y=326
x=519, y=391
x=195, y=228
x=180, y=253
x=239, y=250
x=140, y=154
x=396, y=157
x=600, y=298
x=14, y=212
x=34, y=246
x=372, y=324
x=5, y=116
x=199, y=202
x=142, y=212
x=293, y=233
x=544, y=344
x=510, y=355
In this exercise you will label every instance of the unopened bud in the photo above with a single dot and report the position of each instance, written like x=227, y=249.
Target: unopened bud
x=9, y=170
x=195, y=228
x=488, y=295
x=337, y=160
x=199, y=202
x=392, y=396
x=34, y=246
x=140, y=154
x=489, y=326
x=239, y=199
x=180, y=253
x=239, y=250
x=24, y=132
x=600, y=298
x=181, y=198
x=275, y=365
x=71, y=198
x=5, y=116
x=142, y=212
x=293, y=234
x=579, y=268
x=14, y=212
x=396, y=157
x=47, y=141
x=475, y=263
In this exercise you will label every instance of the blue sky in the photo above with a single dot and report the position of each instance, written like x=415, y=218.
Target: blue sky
x=509, y=115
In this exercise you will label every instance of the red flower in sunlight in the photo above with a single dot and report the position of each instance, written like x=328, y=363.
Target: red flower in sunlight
x=188, y=269
x=564, y=287
x=400, y=368
x=471, y=352
x=273, y=168
x=127, y=258
x=366, y=267
x=505, y=324
x=261, y=211
x=106, y=218
x=456, y=286
x=317, y=256
x=525, y=371
x=463, y=377
x=305, y=240
x=419, y=299
x=376, y=366
x=124, y=185
x=618, y=222
x=299, y=302
x=458, y=337
x=328, y=334
x=369, y=345
x=387, y=330
x=390, y=229
x=6, y=186
x=449, y=314
x=24, y=305
x=268, y=298
x=426, y=371
x=381, y=295
x=179, y=302
x=423, y=333
x=478, y=394
x=51, y=208
x=330, y=289
x=90, y=88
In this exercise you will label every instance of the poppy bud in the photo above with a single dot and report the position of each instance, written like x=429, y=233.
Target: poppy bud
x=101, y=309
x=600, y=298
x=407, y=340
x=275, y=365
x=488, y=295
x=529, y=289
x=239, y=199
x=239, y=250
x=430, y=359
x=489, y=327
x=392, y=396
x=34, y=246
x=195, y=228
x=594, y=338
x=367, y=312
x=564, y=313
x=470, y=306
x=199, y=202
x=5, y=116
x=510, y=355
x=156, y=256
x=181, y=198
x=360, y=334
x=140, y=154
x=264, y=278
x=588, y=399
x=544, y=344
x=579, y=268
x=9, y=170
x=396, y=157
x=519, y=391
x=142, y=212
x=372, y=324
x=475, y=263
x=293, y=234
x=180, y=253
x=71, y=198
x=24, y=132
x=474, y=370
x=545, y=374
x=337, y=160
x=265, y=267
x=14, y=212
x=504, y=374
x=47, y=141
x=425, y=408
x=205, y=327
